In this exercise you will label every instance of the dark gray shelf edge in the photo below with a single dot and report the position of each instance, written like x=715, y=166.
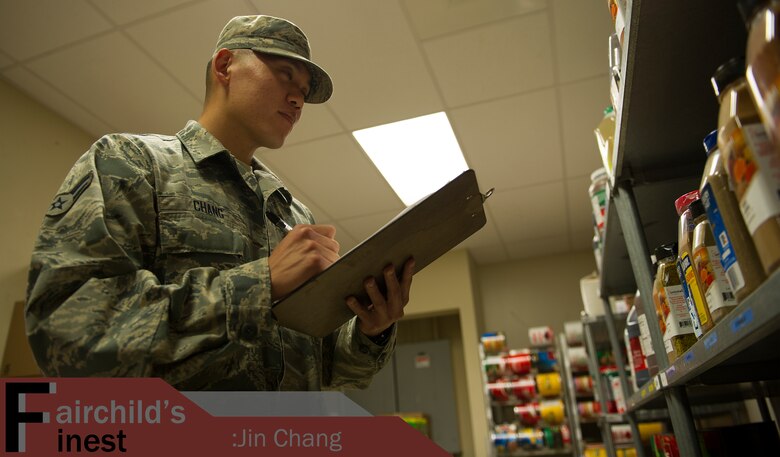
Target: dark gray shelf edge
x=753, y=320
x=667, y=102
x=655, y=204
x=649, y=392
x=539, y=453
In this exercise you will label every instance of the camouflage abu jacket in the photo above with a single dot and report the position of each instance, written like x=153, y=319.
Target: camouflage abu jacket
x=153, y=261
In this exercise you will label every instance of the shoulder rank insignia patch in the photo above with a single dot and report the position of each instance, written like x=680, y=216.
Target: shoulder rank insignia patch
x=64, y=201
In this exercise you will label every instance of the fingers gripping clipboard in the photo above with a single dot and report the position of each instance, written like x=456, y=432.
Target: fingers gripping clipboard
x=425, y=231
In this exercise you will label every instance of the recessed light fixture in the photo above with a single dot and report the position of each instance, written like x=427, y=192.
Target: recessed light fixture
x=416, y=156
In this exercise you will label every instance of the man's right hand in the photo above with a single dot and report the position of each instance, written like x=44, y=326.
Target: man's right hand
x=302, y=253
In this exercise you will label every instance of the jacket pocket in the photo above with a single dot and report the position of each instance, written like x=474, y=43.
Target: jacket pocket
x=211, y=229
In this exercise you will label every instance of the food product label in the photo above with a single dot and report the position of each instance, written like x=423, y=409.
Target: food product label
x=694, y=316
x=712, y=278
x=678, y=321
x=756, y=170
x=637, y=357
x=599, y=202
x=644, y=335
x=693, y=289
x=728, y=257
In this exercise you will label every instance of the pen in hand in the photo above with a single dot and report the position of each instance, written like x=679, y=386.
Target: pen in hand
x=279, y=222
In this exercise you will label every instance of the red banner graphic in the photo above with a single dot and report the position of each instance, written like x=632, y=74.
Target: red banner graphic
x=147, y=417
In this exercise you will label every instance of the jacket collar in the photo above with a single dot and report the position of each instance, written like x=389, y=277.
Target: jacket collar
x=201, y=145
x=199, y=142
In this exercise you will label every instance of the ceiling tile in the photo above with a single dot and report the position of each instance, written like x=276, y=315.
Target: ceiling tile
x=581, y=32
x=513, y=141
x=439, y=17
x=493, y=61
x=545, y=246
x=582, y=108
x=364, y=226
x=486, y=236
x=530, y=212
x=20, y=18
x=122, y=11
x=186, y=53
x=317, y=121
x=130, y=93
x=378, y=70
x=579, y=208
x=338, y=174
x=56, y=101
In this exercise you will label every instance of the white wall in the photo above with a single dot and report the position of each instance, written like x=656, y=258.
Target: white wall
x=38, y=148
x=530, y=293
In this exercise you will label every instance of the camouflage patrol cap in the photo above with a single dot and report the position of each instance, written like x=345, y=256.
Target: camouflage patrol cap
x=276, y=36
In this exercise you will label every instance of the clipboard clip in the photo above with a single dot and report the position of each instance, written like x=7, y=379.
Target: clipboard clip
x=487, y=194
x=484, y=196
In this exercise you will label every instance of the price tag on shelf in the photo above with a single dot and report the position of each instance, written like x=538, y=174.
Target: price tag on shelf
x=742, y=320
x=661, y=379
x=711, y=340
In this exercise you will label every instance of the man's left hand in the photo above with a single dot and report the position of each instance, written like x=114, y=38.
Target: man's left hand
x=384, y=310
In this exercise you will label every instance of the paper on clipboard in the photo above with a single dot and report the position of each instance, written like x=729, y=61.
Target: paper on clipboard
x=425, y=231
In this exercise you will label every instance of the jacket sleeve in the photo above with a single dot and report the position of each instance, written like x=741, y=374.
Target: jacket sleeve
x=351, y=359
x=94, y=308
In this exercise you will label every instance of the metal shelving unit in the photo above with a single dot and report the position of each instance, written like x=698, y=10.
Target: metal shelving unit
x=670, y=52
x=493, y=410
x=601, y=331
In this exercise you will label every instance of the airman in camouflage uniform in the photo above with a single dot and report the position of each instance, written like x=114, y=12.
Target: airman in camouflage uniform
x=155, y=257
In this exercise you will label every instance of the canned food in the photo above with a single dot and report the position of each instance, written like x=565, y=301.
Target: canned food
x=588, y=409
x=499, y=390
x=583, y=385
x=545, y=361
x=524, y=388
x=495, y=367
x=541, y=336
x=529, y=413
x=579, y=359
x=549, y=384
x=552, y=411
x=519, y=363
x=493, y=342
x=529, y=438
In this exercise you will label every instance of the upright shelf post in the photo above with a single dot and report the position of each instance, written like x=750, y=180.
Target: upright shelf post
x=621, y=367
x=638, y=252
x=606, y=430
x=676, y=397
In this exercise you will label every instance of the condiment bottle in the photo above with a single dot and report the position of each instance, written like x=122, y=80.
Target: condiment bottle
x=673, y=316
x=706, y=262
x=697, y=303
x=599, y=195
x=763, y=60
x=644, y=334
x=738, y=255
x=751, y=163
x=605, y=137
x=636, y=358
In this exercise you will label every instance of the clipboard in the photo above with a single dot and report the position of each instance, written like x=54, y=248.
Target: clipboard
x=425, y=231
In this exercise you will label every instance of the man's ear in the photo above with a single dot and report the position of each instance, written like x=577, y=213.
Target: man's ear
x=220, y=66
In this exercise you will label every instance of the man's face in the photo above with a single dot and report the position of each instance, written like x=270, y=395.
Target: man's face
x=266, y=96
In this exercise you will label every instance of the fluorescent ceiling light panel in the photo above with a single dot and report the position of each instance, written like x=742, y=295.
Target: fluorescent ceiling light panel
x=416, y=156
